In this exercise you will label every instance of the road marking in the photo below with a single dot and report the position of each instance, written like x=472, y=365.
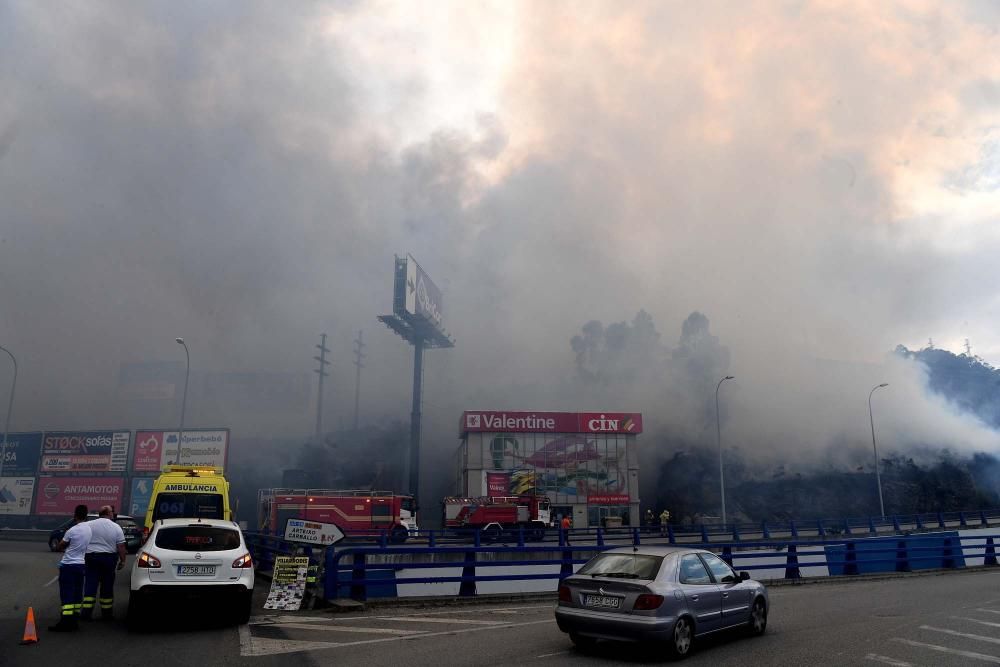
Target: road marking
x=471, y=610
x=251, y=646
x=271, y=620
x=976, y=620
x=450, y=621
x=944, y=649
x=549, y=655
x=875, y=657
x=341, y=628
x=51, y=581
x=991, y=640
x=989, y=611
x=447, y=632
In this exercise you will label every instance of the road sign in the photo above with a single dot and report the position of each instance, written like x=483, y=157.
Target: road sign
x=312, y=532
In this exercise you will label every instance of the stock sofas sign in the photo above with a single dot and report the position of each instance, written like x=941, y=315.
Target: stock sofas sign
x=85, y=451
x=59, y=495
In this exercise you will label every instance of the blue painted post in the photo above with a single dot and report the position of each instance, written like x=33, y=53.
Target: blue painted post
x=902, y=557
x=704, y=534
x=765, y=534
x=562, y=537
x=941, y=520
x=635, y=537
x=467, y=589
x=600, y=537
x=736, y=532
x=850, y=559
x=670, y=534
x=477, y=539
x=566, y=568
x=727, y=554
x=792, y=564
x=991, y=554
x=359, y=591
x=895, y=524
x=961, y=520
x=383, y=539
x=432, y=539
x=920, y=522
x=871, y=526
x=820, y=531
x=948, y=555
x=847, y=527
x=982, y=518
x=794, y=529
x=520, y=536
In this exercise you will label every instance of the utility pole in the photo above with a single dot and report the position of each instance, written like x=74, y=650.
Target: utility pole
x=359, y=356
x=968, y=348
x=323, y=363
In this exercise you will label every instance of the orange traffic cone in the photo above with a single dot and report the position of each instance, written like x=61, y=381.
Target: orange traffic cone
x=30, y=635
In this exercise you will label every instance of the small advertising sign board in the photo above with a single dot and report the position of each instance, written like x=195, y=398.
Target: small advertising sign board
x=312, y=532
x=288, y=583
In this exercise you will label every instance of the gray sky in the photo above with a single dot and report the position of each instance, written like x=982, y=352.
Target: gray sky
x=820, y=180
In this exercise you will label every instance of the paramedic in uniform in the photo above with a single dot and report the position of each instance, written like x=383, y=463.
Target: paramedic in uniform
x=105, y=554
x=71, y=570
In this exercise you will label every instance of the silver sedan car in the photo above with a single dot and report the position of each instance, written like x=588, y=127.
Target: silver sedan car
x=669, y=595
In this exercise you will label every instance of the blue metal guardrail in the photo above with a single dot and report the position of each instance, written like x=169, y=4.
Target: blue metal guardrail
x=359, y=577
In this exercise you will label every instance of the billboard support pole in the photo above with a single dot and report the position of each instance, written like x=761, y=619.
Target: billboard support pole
x=418, y=377
x=10, y=408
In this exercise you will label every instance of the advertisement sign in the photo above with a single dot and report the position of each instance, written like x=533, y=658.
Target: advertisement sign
x=609, y=499
x=156, y=449
x=486, y=421
x=312, y=532
x=58, y=496
x=15, y=495
x=288, y=583
x=142, y=489
x=85, y=451
x=423, y=298
x=150, y=381
x=20, y=459
x=497, y=483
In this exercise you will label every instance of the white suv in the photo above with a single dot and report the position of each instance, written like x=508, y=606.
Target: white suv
x=191, y=559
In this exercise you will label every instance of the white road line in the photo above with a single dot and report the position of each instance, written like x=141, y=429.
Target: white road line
x=51, y=581
x=944, y=649
x=990, y=611
x=989, y=624
x=446, y=632
x=884, y=659
x=449, y=621
x=341, y=628
x=470, y=610
x=271, y=620
x=981, y=638
x=549, y=655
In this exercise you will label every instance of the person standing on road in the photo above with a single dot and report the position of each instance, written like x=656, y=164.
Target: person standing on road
x=105, y=555
x=664, y=520
x=71, y=570
x=565, y=525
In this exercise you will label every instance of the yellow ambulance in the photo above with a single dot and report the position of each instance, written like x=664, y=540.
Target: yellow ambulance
x=182, y=492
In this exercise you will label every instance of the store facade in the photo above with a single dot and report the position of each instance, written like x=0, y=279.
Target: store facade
x=585, y=462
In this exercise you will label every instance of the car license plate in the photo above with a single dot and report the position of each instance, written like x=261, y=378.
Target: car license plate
x=195, y=570
x=604, y=601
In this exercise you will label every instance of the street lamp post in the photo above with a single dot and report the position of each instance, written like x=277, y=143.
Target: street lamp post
x=187, y=372
x=871, y=419
x=10, y=408
x=718, y=434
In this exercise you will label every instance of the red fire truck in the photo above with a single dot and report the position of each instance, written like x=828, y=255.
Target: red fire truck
x=493, y=514
x=351, y=511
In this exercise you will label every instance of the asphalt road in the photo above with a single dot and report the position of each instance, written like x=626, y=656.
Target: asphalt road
x=947, y=619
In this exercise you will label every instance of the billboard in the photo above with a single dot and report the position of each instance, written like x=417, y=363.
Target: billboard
x=150, y=381
x=156, y=449
x=20, y=459
x=415, y=294
x=85, y=451
x=58, y=496
x=497, y=483
x=142, y=490
x=15, y=495
x=491, y=421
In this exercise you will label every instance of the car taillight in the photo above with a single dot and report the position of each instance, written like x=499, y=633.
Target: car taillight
x=243, y=561
x=647, y=601
x=145, y=560
x=564, y=595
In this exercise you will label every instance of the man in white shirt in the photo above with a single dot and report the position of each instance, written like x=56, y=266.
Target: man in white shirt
x=71, y=570
x=105, y=554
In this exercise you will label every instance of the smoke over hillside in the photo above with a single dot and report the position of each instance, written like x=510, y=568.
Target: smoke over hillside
x=814, y=180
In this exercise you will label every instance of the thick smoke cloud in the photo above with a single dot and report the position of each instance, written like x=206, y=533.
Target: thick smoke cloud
x=814, y=179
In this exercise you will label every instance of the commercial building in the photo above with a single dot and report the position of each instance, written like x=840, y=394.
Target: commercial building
x=586, y=463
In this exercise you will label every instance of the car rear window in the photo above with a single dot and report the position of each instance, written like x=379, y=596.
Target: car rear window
x=625, y=566
x=127, y=523
x=197, y=538
x=188, y=505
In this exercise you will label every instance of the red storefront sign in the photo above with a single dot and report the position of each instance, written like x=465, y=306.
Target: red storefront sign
x=490, y=421
x=609, y=499
x=60, y=495
x=498, y=483
x=148, y=450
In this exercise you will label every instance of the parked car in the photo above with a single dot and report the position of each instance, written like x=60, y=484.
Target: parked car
x=195, y=563
x=133, y=533
x=668, y=595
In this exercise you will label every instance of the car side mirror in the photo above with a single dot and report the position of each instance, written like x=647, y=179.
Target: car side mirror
x=744, y=576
